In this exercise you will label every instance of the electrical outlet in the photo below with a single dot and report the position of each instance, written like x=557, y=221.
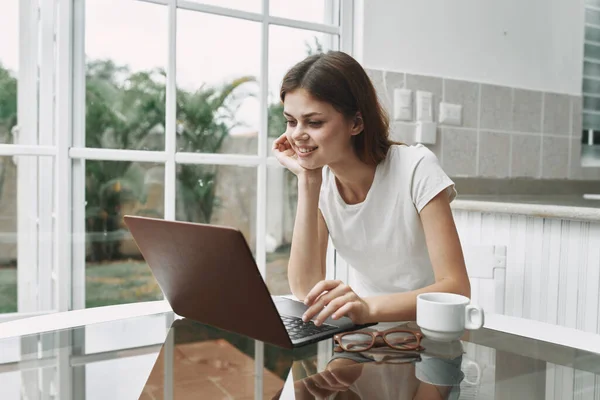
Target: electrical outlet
x=403, y=105
x=450, y=114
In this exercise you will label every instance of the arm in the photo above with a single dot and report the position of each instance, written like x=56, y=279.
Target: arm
x=446, y=256
x=309, y=241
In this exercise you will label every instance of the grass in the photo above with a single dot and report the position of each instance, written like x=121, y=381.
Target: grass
x=118, y=283
x=130, y=281
x=106, y=284
x=8, y=290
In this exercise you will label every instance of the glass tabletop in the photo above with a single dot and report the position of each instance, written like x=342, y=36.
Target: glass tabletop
x=164, y=357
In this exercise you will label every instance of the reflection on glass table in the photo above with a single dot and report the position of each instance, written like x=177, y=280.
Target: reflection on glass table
x=163, y=357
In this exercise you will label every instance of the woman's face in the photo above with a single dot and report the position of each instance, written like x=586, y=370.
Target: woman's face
x=317, y=132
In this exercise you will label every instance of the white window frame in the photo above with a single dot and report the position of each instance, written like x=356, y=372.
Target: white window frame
x=55, y=128
x=51, y=118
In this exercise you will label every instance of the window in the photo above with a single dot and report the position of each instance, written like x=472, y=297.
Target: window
x=157, y=108
x=590, y=149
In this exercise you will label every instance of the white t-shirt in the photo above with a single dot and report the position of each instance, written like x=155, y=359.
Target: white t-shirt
x=382, y=238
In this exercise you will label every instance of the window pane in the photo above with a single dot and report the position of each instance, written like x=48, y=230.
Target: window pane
x=244, y=5
x=592, y=17
x=115, y=270
x=282, y=198
x=591, y=69
x=320, y=11
x=287, y=46
x=126, y=54
x=591, y=121
x=25, y=224
x=592, y=34
x=591, y=86
x=9, y=65
x=220, y=195
x=592, y=51
x=218, y=65
x=8, y=234
x=591, y=103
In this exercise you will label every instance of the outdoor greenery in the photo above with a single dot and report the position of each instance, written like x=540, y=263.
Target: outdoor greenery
x=126, y=110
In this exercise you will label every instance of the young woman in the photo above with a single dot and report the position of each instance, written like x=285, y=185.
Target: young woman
x=385, y=205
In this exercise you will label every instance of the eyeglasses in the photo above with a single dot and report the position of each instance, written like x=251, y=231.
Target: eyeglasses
x=398, y=339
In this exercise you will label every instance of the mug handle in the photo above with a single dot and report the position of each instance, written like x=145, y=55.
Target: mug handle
x=474, y=317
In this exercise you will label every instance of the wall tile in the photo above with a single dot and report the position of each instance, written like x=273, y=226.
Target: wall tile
x=391, y=81
x=402, y=132
x=427, y=84
x=437, y=147
x=459, y=151
x=576, y=117
x=527, y=111
x=494, y=154
x=376, y=77
x=555, y=153
x=496, y=107
x=526, y=152
x=466, y=94
x=557, y=114
x=575, y=171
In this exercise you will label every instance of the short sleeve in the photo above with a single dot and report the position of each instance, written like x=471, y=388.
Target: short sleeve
x=428, y=180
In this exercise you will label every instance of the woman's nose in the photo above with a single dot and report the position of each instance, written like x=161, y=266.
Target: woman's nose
x=299, y=134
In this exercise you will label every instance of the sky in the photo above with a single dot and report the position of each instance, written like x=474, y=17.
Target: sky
x=210, y=49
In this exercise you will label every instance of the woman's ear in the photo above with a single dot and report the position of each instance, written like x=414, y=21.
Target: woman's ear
x=358, y=126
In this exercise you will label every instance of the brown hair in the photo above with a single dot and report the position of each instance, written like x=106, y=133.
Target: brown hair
x=340, y=80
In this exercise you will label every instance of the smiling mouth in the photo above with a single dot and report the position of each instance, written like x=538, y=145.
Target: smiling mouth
x=306, y=150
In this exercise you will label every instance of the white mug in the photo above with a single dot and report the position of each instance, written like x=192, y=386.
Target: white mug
x=445, y=316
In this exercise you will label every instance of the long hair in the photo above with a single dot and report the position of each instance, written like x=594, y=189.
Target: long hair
x=338, y=79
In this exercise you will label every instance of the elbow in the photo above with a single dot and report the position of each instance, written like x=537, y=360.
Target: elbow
x=459, y=286
x=466, y=288
x=299, y=290
x=462, y=286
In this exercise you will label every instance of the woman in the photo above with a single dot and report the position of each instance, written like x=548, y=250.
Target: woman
x=385, y=205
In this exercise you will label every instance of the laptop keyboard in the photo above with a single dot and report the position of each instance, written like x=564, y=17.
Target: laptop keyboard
x=298, y=329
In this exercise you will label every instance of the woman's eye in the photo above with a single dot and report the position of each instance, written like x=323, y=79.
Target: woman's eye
x=315, y=124
x=291, y=123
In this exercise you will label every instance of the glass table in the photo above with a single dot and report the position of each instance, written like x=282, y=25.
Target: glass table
x=162, y=356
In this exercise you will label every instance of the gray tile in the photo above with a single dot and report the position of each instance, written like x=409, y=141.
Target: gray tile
x=402, y=132
x=437, y=147
x=577, y=116
x=376, y=77
x=555, y=153
x=527, y=111
x=526, y=151
x=466, y=94
x=427, y=84
x=575, y=171
x=496, y=107
x=459, y=151
x=557, y=113
x=494, y=153
x=391, y=81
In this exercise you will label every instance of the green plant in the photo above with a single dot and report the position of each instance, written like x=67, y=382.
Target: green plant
x=126, y=110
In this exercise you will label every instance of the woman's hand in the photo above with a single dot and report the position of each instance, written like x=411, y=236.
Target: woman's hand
x=287, y=157
x=336, y=299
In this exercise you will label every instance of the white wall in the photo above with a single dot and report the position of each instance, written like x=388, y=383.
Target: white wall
x=534, y=44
